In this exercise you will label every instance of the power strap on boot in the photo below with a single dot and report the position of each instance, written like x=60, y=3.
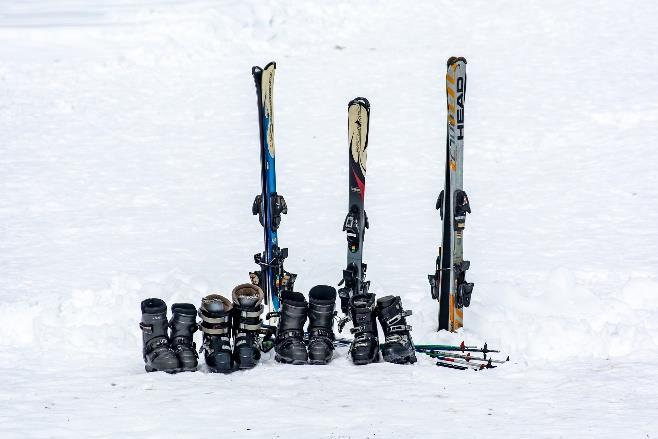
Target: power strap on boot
x=215, y=313
x=398, y=346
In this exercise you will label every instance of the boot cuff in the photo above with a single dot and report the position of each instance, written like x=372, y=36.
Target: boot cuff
x=216, y=303
x=293, y=298
x=322, y=293
x=154, y=306
x=247, y=290
x=184, y=308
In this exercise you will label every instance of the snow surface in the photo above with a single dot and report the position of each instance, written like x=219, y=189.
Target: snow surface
x=129, y=160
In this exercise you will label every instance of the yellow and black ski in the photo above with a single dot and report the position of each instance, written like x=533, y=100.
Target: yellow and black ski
x=448, y=283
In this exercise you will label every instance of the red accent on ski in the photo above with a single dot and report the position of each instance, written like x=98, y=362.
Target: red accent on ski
x=360, y=184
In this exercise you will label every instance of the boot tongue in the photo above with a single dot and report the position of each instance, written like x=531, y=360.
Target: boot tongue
x=215, y=306
x=247, y=301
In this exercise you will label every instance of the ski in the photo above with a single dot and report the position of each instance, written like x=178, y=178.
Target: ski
x=467, y=357
x=444, y=347
x=454, y=366
x=464, y=364
x=269, y=205
x=356, y=221
x=448, y=283
x=462, y=348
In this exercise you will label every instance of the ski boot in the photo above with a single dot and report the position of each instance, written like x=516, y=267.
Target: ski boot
x=247, y=308
x=215, y=313
x=365, y=347
x=183, y=326
x=289, y=344
x=321, y=311
x=157, y=351
x=398, y=347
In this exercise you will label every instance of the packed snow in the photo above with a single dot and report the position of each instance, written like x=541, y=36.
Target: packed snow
x=129, y=161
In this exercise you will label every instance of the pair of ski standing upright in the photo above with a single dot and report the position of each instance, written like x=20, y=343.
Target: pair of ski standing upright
x=448, y=283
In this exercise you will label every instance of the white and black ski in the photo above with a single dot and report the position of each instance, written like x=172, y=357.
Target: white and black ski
x=356, y=221
x=448, y=283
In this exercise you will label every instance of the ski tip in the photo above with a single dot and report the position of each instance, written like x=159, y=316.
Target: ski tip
x=271, y=64
x=455, y=59
x=255, y=71
x=360, y=101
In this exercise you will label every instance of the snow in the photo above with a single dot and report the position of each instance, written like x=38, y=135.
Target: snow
x=129, y=162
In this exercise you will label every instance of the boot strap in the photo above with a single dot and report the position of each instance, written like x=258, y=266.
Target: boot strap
x=290, y=333
x=215, y=320
x=399, y=328
x=321, y=332
x=207, y=346
x=250, y=326
x=215, y=331
x=364, y=337
x=156, y=344
x=182, y=341
x=178, y=348
x=251, y=313
x=367, y=328
x=248, y=312
x=397, y=317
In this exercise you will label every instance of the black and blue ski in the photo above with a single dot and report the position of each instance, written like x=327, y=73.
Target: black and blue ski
x=268, y=205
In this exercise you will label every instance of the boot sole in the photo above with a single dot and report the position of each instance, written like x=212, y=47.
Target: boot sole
x=224, y=366
x=246, y=362
x=169, y=371
x=217, y=370
x=289, y=360
x=316, y=362
x=409, y=359
x=366, y=361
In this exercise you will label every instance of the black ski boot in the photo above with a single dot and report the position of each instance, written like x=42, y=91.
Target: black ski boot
x=247, y=308
x=215, y=313
x=365, y=347
x=183, y=326
x=289, y=344
x=158, y=355
x=321, y=311
x=398, y=346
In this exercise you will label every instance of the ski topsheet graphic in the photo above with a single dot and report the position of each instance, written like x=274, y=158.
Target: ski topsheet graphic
x=448, y=284
x=356, y=221
x=268, y=205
